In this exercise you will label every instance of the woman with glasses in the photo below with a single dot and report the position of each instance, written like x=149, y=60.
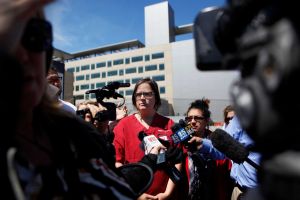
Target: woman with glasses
x=228, y=115
x=129, y=148
x=208, y=179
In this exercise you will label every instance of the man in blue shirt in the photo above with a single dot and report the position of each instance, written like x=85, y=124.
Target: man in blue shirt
x=244, y=175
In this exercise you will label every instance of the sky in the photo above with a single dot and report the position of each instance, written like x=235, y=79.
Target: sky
x=80, y=25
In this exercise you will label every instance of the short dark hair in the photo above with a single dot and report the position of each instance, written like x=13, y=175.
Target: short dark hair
x=154, y=88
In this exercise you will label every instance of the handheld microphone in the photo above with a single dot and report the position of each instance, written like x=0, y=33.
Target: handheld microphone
x=232, y=149
x=151, y=141
x=182, y=132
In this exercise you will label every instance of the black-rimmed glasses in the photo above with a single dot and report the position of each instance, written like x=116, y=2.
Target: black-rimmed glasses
x=138, y=95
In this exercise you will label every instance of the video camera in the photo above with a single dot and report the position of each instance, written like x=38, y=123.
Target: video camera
x=107, y=92
x=261, y=39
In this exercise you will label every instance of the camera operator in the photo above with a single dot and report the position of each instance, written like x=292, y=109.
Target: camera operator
x=261, y=38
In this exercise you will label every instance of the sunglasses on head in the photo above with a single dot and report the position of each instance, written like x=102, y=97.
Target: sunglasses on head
x=37, y=36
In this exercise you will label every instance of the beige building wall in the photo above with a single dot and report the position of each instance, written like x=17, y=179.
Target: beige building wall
x=166, y=60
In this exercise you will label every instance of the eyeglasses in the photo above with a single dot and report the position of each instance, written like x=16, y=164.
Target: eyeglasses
x=37, y=36
x=147, y=95
x=196, y=118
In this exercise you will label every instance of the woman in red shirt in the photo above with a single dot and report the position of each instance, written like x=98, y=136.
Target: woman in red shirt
x=146, y=99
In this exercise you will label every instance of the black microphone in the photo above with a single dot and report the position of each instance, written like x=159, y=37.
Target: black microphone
x=232, y=149
x=116, y=85
x=182, y=132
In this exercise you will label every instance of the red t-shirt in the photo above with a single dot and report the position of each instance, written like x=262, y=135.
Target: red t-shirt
x=129, y=147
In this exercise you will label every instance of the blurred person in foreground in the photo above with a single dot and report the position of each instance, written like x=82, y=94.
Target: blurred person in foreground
x=48, y=153
x=146, y=99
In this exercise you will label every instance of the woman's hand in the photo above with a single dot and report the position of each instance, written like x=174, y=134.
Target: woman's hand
x=197, y=141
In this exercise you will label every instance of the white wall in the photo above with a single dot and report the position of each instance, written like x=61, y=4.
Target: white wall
x=189, y=83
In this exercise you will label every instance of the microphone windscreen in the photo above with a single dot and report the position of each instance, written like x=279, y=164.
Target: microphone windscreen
x=182, y=123
x=175, y=127
x=226, y=144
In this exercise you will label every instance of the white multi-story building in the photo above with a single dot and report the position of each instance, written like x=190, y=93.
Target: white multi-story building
x=169, y=62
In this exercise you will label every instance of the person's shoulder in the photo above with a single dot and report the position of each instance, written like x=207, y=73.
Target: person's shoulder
x=67, y=106
x=163, y=118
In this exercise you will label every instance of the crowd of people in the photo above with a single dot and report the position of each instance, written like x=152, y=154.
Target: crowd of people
x=56, y=151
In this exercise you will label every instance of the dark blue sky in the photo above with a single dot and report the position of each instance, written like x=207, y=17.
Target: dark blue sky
x=80, y=25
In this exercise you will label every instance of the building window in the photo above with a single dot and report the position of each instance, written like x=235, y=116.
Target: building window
x=121, y=92
x=162, y=90
x=102, y=64
x=158, y=78
x=92, y=66
x=130, y=70
x=87, y=97
x=137, y=59
x=121, y=81
x=77, y=88
x=93, y=96
x=108, y=63
x=80, y=78
x=141, y=69
x=77, y=69
x=87, y=77
x=103, y=74
x=135, y=80
x=71, y=70
x=79, y=97
x=85, y=67
x=127, y=60
x=95, y=75
x=85, y=87
x=158, y=55
x=100, y=85
x=118, y=62
x=150, y=68
x=128, y=92
x=121, y=72
x=147, y=57
x=92, y=86
x=162, y=66
x=112, y=73
x=127, y=81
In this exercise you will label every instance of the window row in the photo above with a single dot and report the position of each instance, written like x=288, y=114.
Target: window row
x=117, y=62
x=162, y=90
x=120, y=72
x=102, y=84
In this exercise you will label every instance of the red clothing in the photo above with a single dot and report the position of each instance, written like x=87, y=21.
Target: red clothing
x=219, y=184
x=128, y=146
